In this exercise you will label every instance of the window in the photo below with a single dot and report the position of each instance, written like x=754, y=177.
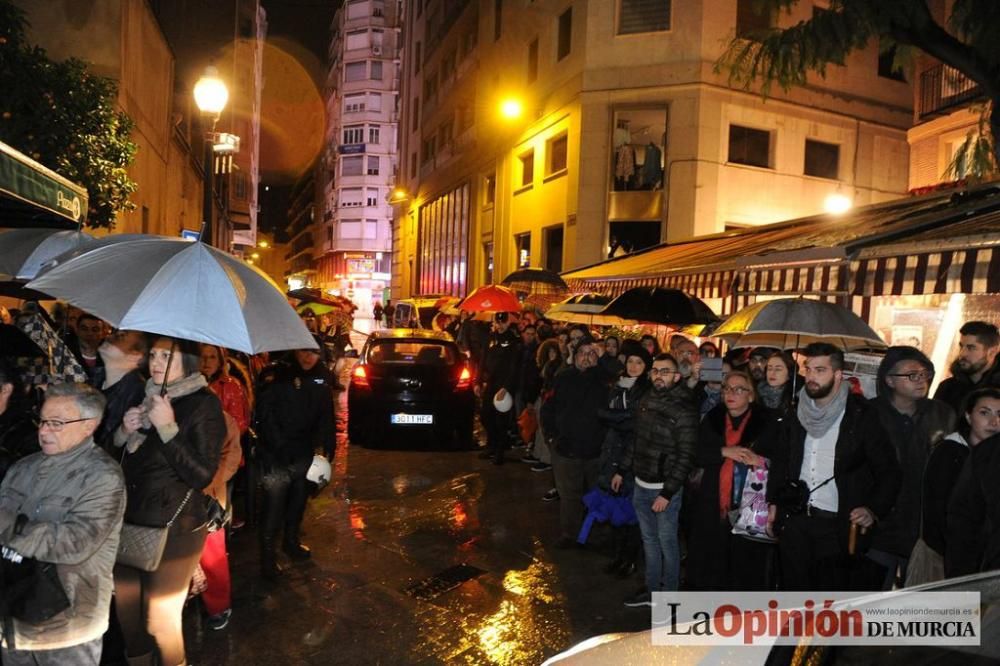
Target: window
x=357, y=9
x=240, y=185
x=350, y=229
x=497, y=19
x=527, y=161
x=377, y=39
x=376, y=70
x=354, y=134
x=443, y=242
x=556, y=154
x=374, y=102
x=749, y=146
x=416, y=58
x=751, y=20
x=887, y=67
x=357, y=39
x=822, y=159
x=351, y=165
x=373, y=165
x=553, y=240
x=354, y=103
x=643, y=16
x=415, y=114
x=329, y=235
x=378, y=9
x=488, y=263
x=413, y=164
x=565, y=39
x=371, y=196
x=355, y=71
x=373, y=134
x=533, y=61
x=351, y=197
x=522, y=243
x=427, y=149
x=490, y=189
x=445, y=133
x=371, y=229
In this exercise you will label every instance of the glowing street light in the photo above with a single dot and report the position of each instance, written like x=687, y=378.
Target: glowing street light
x=210, y=93
x=837, y=203
x=511, y=108
x=398, y=196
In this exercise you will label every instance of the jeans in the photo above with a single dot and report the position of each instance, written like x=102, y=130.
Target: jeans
x=84, y=654
x=659, y=539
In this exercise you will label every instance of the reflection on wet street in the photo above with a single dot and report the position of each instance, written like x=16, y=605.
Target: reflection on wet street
x=419, y=557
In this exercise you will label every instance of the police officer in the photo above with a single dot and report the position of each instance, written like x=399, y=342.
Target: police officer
x=294, y=418
x=498, y=376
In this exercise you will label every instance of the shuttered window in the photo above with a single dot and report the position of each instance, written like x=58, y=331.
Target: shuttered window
x=643, y=16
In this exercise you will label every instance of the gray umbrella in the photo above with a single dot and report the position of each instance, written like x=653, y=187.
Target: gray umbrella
x=23, y=252
x=178, y=288
x=792, y=323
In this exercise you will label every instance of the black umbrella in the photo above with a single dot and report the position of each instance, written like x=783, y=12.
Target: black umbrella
x=655, y=305
x=15, y=343
x=536, y=281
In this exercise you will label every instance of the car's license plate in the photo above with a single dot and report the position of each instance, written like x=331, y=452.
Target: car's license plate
x=411, y=419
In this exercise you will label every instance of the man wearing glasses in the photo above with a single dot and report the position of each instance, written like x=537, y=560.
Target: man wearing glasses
x=64, y=505
x=915, y=425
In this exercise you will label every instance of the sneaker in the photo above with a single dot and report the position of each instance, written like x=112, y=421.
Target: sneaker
x=220, y=621
x=640, y=598
x=541, y=467
x=551, y=496
x=529, y=459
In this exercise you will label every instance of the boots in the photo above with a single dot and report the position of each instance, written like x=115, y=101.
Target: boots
x=293, y=547
x=269, y=569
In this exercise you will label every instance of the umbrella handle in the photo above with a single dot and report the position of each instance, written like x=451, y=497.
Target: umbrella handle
x=166, y=372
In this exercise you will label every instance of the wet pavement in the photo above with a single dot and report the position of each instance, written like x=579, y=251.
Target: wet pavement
x=386, y=583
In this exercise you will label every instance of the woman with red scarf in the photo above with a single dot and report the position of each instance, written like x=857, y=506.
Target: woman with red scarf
x=732, y=438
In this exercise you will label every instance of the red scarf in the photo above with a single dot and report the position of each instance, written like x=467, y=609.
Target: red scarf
x=733, y=437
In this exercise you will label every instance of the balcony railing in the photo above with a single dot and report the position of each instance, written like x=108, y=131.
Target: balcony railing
x=944, y=88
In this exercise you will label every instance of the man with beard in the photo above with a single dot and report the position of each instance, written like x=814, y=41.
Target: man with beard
x=836, y=446
x=977, y=365
x=915, y=425
x=757, y=363
x=120, y=379
x=497, y=378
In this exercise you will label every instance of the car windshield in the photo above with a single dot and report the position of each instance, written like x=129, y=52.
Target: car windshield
x=411, y=351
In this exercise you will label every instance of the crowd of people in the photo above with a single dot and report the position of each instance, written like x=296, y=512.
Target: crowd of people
x=777, y=473
x=149, y=450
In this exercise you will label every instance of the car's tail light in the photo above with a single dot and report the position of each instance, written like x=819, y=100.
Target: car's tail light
x=464, y=378
x=359, y=376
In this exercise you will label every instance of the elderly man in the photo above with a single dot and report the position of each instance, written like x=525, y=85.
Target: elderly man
x=64, y=505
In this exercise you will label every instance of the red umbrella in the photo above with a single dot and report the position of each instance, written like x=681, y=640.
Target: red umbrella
x=491, y=298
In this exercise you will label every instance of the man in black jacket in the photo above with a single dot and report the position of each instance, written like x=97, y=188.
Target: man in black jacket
x=294, y=418
x=575, y=432
x=915, y=425
x=662, y=455
x=498, y=377
x=977, y=365
x=835, y=445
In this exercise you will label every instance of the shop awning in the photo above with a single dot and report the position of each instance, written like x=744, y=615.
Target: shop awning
x=34, y=195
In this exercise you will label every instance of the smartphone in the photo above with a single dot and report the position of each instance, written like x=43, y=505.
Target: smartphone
x=711, y=370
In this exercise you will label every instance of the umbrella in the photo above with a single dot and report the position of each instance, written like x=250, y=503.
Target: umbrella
x=491, y=298
x=584, y=309
x=791, y=323
x=308, y=295
x=182, y=289
x=656, y=305
x=24, y=251
x=15, y=343
x=535, y=281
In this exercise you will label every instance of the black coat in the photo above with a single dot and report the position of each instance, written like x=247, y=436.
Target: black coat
x=618, y=415
x=940, y=476
x=501, y=363
x=126, y=393
x=570, y=416
x=666, y=434
x=159, y=474
x=933, y=420
x=294, y=412
x=954, y=389
x=972, y=533
x=865, y=468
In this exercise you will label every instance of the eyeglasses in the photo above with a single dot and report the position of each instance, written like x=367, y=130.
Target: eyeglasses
x=735, y=390
x=662, y=371
x=916, y=376
x=56, y=425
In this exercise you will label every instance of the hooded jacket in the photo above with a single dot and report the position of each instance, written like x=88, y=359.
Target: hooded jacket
x=666, y=434
x=74, y=502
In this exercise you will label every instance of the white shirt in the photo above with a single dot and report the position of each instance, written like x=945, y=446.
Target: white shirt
x=817, y=466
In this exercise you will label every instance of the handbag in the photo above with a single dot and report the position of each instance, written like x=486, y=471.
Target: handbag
x=141, y=547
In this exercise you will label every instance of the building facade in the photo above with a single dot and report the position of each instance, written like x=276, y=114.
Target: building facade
x=360, y=158
x=305, y=228
x=559, y=133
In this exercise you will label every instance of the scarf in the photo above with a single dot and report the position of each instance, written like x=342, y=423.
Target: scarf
x=734, y=434
x=771, y=396
x=818, y=420
x=180, y=388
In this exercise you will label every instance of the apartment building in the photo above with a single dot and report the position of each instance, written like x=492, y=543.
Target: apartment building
x=304, y=229
x=354, y=241
x=558, y=133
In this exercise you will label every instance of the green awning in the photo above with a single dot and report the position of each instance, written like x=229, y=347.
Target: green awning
x=31, y=191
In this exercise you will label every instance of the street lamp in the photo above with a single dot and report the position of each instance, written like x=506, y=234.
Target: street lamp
x=837, y=203
x=398, y=196
x=511, y=108
x=211, y=95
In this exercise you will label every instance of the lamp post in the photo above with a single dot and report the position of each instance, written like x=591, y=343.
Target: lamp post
x=211, y=95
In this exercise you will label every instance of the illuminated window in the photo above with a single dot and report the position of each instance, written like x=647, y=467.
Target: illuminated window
x=522, y=244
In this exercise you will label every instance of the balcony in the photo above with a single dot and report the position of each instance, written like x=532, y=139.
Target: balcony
x=944, y=89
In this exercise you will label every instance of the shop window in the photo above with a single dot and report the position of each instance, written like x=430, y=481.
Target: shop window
x=749, y=146
x=522, y=245
x=443, y=243
x=564, y=42
x=490, y=189
x=822, y=159
x=555, y=151
x=751, y=19
x=533, y=61
x=553, y=241
x=527, y=163
x=635, y=16
x=639, y=138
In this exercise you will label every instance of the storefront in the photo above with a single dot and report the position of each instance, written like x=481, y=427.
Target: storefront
x=32, y=195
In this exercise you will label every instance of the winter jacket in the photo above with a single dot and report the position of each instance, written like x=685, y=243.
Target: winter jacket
x=972, y=532
x=913, y=439
x=954, y=389
x=295, y=413
x=74, y=503
x=233, y=399
x=159, y=474
x=865, y=469
x=940, y=476
x=229, y=462
x=123, y=395
x=570, y=417
x=529, y=380
x=619, y=417
x=500, y=363
x=18, y=437
x=666, y=433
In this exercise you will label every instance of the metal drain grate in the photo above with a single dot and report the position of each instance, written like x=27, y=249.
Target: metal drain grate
x=443, y=581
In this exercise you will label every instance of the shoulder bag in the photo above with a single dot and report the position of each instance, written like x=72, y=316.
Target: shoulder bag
x=142, y=547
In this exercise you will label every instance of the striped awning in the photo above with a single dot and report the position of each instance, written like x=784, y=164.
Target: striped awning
x=710, y=284
x=968, y=271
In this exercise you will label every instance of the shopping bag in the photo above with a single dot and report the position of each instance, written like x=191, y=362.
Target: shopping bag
x=751, y=521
